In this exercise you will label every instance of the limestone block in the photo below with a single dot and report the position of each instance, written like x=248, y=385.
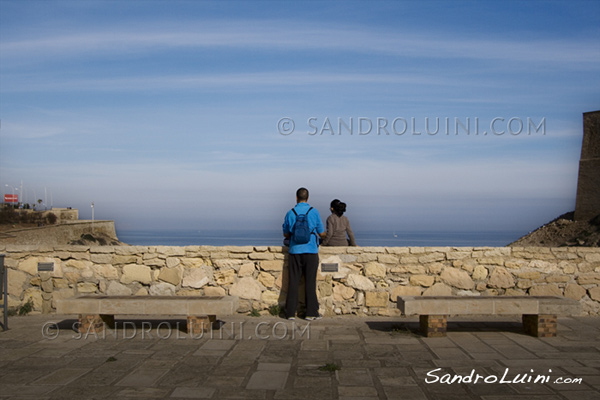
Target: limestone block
x=16, y=280
x=266, y=279
x=87, y=288
x=246, y=288
x=60, y=283
x=501, y=278
x=457, y=255
x=387, y=259
x=172, y=262
x=132, y=250
x=136, y=273
x=528, y=275
x=271, y=265
x=491, y=260
x=595, y=293
x=457, y=278
x=567, y=267
x=195, y=278
x=543, y=266
x=435, y=268
x=171, y=275
x=545, y=290
x=515, y=264
x=558, y=278
x=117, y=289
x=29, y=265
x=411, y=269
x=121, y=260
x=36, y=298
x=325, y=289
x=141, y=292
x=155, y=262
x=514, y=292
x=170, y=251
x=397, y=250
x=225, y=277
x=366, y=257
x=282, y=280
x=214, y=291
x=342, y=292
x=469, y=265
x=589, y=278
x=422, y=280
x=261, y=256
x=78, y=264
x=399, y=291
x=246, y=269
x=269, y=297
x=162, y=289
x=360, y=282
x=191, y=262
x=409, y=260
x=524, y=283
x=438, y=289
x=574, y=291
x=72, y=277
x=101, y=258
x=47, y=286
x=376, y=299
x=105, y=271
x=375, y=270
x=432, y=258
x=228, y=263
x=480, y=273
x=592, y=257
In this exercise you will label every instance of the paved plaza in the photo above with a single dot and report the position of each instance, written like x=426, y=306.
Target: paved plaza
x=42, y=357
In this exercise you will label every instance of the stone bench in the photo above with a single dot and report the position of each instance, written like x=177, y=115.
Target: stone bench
x=539, y=313
x=97, y=311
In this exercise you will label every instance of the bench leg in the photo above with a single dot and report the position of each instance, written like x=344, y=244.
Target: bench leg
x=94, y=323
x=540, y=325
x=433, y=325
x=197, y=325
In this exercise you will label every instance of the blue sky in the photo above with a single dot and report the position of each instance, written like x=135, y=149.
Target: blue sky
x=165, y=114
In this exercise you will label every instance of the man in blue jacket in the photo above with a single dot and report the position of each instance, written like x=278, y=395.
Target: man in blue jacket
x=303, y=257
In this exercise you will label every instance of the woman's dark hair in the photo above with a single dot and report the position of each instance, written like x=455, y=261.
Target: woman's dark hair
x=339, y=208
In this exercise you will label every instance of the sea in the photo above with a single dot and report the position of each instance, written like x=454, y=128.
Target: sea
x=274, y=238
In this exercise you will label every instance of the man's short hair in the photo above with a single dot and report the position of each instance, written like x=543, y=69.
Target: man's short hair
x=302, y=194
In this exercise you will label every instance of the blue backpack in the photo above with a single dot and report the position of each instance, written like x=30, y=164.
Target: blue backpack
x=301, y=231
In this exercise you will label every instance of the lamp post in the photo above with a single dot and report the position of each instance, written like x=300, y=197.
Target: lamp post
x=92, y=217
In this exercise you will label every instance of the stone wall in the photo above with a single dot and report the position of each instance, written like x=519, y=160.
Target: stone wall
x=59, y=233
x=368, y=281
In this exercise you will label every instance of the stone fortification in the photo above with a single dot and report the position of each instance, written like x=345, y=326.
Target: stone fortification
x=588, y=182
x=368, y=280
x=60, y=233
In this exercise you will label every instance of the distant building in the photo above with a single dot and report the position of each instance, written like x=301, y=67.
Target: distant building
x=587, y=205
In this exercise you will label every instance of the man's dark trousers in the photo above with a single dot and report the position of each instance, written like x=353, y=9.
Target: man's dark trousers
x=305, y=264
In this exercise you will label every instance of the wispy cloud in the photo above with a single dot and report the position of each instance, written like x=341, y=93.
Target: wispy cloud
x=274, y=35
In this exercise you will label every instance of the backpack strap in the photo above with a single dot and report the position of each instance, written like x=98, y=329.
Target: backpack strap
x=296, y=214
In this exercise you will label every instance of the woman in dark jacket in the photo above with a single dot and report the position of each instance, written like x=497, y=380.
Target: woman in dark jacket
x=339, y=232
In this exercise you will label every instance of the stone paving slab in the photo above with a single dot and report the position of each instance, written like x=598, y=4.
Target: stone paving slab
x=271, y=358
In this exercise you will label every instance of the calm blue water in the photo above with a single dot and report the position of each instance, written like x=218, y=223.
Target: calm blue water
x=274, y=238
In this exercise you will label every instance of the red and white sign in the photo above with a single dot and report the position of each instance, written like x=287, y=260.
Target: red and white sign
x=11, y=198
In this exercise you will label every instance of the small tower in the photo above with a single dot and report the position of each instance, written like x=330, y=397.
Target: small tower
x=587, y=204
